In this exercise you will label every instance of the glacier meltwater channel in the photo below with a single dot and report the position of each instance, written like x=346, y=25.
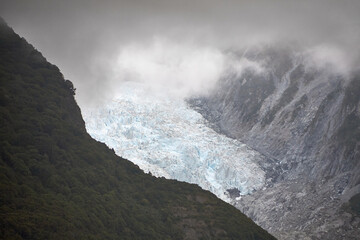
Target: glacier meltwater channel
x=164, y=136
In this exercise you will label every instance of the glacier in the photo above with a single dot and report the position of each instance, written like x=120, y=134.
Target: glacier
x=164, y=136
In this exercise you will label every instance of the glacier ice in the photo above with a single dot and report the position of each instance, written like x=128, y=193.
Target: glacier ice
x=164, y=136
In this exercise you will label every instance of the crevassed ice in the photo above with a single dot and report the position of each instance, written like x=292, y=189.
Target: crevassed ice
x=162, y=135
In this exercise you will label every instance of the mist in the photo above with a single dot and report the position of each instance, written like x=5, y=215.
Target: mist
x=177, y=46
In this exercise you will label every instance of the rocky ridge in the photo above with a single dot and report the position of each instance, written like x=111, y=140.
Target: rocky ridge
x=304, y=115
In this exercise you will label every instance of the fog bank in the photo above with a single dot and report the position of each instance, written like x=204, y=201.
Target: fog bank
x=176, y=45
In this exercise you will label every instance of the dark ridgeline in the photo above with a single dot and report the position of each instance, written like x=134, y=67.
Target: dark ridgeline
x=56, y=182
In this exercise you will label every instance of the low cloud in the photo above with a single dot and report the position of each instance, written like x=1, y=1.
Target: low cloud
x=97, y=43
x=329, y=58
x=181, y=69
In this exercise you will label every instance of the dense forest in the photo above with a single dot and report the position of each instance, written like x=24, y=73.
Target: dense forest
x=56, y=182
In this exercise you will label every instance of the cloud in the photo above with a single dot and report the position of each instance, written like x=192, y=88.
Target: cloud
x=181, y=69
x=235, y=64
x=329, y=58
x=86, y=38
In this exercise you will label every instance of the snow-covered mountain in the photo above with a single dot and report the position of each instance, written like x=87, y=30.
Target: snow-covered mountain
x=162, y=135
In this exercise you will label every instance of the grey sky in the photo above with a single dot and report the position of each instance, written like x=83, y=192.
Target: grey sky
x=84, y=37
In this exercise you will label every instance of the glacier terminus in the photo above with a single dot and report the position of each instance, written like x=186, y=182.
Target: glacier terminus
x=164, y=136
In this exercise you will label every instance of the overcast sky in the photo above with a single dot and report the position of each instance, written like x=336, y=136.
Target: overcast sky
x=95, y=43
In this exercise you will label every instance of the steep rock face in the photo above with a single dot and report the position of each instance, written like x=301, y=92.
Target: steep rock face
x=304, y=116
x=56, y=182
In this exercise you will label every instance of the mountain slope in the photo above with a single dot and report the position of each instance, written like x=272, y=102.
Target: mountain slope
x=304, y=115
x=59, y=183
